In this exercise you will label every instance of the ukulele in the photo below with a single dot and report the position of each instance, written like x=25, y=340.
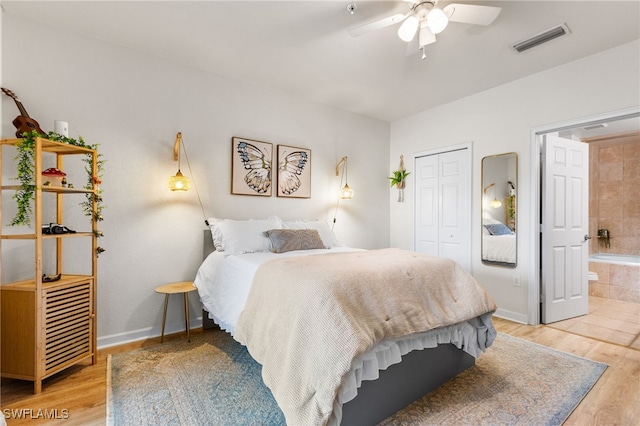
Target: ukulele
x=23, y=122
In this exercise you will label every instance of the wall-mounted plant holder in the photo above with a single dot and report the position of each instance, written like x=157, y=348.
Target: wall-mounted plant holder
x=398, y=179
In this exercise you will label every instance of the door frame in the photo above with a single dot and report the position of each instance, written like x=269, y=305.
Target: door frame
x=468, y=146
x=533, y=315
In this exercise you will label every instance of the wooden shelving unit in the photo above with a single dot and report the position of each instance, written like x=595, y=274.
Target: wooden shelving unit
x=48, y=326
x=510, y=212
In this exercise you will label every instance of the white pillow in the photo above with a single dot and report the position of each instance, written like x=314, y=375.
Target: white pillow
x=216, y=234
x=247, y=236
x=329, y=239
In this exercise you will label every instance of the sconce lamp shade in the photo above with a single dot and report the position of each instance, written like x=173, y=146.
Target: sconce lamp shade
x=495, y=203
x=346, y=193
x=179, y=182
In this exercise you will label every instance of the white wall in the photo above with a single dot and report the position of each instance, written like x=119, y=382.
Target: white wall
x=500, y=120
x=133, y=105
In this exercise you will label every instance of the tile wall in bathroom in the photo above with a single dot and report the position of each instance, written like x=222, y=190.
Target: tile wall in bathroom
x=614, y=204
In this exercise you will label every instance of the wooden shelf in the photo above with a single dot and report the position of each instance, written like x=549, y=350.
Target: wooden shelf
x=53, y=189
x=53, y=146
x=44, y=236
x=48, y=326
x=30, y=285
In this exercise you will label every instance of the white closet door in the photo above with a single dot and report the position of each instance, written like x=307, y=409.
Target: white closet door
x=455, y=208
x=443, y=206
x=427, y=225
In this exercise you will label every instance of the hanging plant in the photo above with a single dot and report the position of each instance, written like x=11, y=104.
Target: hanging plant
x=398, y=178
x=25, y=195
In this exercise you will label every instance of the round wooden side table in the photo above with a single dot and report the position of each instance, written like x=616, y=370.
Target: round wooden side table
x=183, y=287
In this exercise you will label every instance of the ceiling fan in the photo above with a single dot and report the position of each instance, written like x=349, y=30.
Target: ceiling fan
x=425, y=19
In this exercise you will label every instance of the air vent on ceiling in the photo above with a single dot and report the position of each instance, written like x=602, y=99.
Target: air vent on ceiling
x=541, y=38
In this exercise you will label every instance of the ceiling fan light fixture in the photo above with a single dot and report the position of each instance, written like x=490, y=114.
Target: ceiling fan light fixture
x=408, y=29
x=426, y=36
x=437, y=20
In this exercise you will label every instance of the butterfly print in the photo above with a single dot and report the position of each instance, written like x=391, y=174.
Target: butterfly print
x=259, y=165
x=291, y=166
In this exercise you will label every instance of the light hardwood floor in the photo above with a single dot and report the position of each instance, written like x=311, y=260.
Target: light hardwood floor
x=614, y=400
x=609, y=320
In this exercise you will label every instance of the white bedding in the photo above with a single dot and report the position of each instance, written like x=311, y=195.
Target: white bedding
x=224, y=283
x=499, y=248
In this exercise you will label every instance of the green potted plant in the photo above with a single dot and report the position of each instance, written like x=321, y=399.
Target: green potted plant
x=398, y=179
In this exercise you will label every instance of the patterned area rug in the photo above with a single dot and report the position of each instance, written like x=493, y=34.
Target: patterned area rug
x=214, y=381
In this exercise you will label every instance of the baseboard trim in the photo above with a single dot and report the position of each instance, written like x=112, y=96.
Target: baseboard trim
x=511, y=316
x=146, y=333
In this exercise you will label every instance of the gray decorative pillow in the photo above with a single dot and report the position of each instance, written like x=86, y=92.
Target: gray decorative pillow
x=284, y=240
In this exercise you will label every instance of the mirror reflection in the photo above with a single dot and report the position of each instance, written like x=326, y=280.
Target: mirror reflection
x=499, y=196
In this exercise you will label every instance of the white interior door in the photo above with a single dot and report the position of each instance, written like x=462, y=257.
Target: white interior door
x=565, y=225
x=443, y=206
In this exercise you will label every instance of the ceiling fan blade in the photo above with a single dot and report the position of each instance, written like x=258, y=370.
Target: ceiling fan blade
x=376, y=25
x=471, y=13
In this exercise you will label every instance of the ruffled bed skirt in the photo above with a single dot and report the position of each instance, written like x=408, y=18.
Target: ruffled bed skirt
x=473, y=337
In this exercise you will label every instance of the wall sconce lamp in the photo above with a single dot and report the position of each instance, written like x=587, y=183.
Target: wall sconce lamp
x=495, y=203
x=179, y=182
x=346, y=193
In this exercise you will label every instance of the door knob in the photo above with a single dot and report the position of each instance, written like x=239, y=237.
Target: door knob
x=587, y=237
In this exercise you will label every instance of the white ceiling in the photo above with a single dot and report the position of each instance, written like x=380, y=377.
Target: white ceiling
x=304, y=48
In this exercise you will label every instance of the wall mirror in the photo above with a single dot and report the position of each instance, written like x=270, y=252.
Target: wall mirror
x=499, y=201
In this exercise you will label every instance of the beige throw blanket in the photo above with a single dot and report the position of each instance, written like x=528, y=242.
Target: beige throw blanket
x=307, y=318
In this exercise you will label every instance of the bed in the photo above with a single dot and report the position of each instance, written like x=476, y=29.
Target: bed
x=499, y=248
x=344, y=336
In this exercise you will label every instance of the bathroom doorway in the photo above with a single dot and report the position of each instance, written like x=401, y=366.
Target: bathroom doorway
x=626, y=121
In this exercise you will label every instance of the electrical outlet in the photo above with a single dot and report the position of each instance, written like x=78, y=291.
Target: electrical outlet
x=516, y=281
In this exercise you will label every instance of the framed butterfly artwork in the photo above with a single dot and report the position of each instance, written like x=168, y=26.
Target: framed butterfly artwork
x=251, y=167
x=294, y=172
